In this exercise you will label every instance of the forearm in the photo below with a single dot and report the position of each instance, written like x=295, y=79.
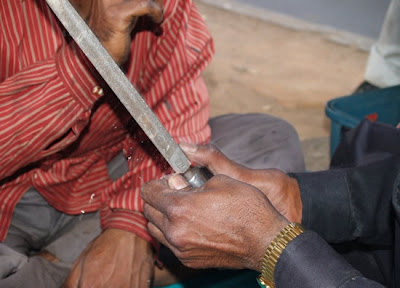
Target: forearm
x=347, y=204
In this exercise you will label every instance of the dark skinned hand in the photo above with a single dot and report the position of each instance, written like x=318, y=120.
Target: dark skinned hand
x=113, y=21
x=117, y=258
x=225, y=223
x=282, y=190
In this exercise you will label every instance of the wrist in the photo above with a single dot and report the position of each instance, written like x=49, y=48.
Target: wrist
x=266, y=234
x=274, y=251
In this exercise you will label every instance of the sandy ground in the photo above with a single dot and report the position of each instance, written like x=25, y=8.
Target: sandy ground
x=261, y=67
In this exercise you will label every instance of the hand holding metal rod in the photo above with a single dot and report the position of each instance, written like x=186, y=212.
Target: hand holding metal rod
x=125, y=91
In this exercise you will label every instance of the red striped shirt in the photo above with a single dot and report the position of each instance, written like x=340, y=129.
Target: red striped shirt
x=56, y=135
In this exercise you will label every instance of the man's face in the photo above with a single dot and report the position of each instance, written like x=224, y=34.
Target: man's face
x=113, y=21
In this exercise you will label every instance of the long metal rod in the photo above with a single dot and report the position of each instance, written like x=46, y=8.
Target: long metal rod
x=119, y=83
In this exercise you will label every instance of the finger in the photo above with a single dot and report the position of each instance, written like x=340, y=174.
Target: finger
x=159, y=235
x=211, y=157
x=177, y=182
x=153, y=215
x=160, y=4
x=221, y=180
x=153, y=9
x=156, y=11
x=75, y=275
x=154, y=192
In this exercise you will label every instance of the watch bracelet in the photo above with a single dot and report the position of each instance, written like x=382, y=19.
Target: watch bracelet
x=274, y=251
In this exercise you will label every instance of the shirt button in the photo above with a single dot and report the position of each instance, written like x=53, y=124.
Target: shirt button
x=35, y=176
x=97, y=90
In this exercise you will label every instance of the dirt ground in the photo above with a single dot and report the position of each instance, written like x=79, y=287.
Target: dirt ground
x=261, y=67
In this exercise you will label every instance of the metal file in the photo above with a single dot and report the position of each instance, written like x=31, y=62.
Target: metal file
x=119, y=83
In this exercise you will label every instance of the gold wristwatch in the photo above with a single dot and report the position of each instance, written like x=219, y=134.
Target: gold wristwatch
x=274, y=251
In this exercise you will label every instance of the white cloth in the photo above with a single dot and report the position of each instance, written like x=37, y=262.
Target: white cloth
x=383, y=67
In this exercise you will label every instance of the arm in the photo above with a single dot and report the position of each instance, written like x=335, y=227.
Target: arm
x=46, y=84
x=355, y=203
x=45, y=87
x=180, y=100
x=311, y=262
x=243, y=225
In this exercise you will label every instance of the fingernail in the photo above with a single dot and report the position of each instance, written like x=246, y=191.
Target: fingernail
x=177, y=182
x=188, y=147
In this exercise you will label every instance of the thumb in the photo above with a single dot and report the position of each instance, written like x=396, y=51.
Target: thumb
x=176, y=181
x=212, y=158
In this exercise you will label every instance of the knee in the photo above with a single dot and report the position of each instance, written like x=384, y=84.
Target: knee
x=277, y=128
x=282, y=146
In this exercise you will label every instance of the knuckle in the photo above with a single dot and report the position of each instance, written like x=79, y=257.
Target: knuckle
x=176, y=210
x=154, y=7
x=180, y=255
x=145, y=209
x=213, y=149
x=179, y=239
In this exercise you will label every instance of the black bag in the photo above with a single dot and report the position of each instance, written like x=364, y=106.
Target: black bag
x=366, y=143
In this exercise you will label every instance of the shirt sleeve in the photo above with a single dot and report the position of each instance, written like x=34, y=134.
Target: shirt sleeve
x=308, y=261
x=179, y=98
x=351, y=203
x=45, y=102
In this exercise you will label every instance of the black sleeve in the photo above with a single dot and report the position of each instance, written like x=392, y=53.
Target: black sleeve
x=308, y=261
x=351, y=203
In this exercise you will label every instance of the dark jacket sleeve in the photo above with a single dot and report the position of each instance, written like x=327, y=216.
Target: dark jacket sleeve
x=351, y=203
x=308, y=261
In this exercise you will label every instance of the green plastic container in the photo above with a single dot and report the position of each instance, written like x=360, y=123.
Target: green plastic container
x=346, y=112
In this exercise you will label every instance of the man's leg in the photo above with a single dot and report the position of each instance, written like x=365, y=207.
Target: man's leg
x=258, y=141
x=34, y=225
x=383, y=68
x=36, y=228
x=10, y=261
